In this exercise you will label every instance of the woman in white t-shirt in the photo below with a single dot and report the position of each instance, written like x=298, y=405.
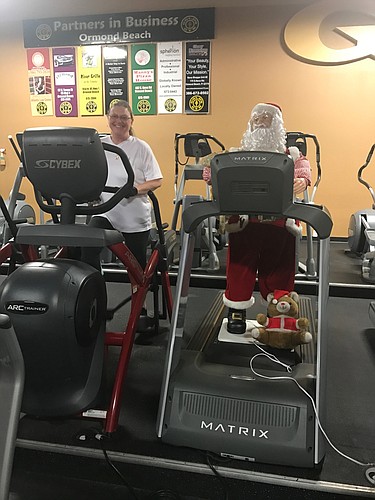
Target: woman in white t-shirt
x=132, y=216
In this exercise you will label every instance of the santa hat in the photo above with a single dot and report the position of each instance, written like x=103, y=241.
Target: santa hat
x=267, y=107
x=274, y=105
x=277, y=294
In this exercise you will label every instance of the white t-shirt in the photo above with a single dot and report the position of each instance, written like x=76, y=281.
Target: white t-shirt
x=131, y=215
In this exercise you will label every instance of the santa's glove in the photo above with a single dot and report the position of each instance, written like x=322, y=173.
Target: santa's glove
x=133, y=192
x=294, y=152
x=206, y=174
x=236, y=223
x=293, y=227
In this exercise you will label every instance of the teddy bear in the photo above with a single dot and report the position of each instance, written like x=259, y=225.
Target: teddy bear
x=281, y=327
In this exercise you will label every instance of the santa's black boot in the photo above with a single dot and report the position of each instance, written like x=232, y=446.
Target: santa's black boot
x=236, y=321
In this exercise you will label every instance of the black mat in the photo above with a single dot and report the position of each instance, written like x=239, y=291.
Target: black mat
x=350, y=409
x=46, y=476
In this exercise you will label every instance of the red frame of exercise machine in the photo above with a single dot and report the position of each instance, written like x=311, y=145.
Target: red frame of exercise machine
x=140, y=279
x=140, y=283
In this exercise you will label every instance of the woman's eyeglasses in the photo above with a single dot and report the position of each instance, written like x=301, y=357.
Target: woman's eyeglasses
x=123, y=118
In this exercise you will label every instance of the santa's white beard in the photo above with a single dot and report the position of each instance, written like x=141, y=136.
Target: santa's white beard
x=263, y=139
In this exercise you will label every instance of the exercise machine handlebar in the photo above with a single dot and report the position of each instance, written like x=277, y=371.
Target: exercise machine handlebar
x=360, y=171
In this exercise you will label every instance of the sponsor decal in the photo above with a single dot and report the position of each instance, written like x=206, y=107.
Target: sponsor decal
x=234, y=429
x=26, y=307
x=58, y=164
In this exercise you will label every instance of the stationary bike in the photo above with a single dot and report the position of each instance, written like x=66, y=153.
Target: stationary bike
x=361, y=231
x=58, y=306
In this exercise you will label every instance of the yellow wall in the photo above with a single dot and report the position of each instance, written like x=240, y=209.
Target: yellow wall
x=249, y=64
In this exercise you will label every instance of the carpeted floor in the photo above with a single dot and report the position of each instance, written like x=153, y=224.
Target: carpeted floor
x=51, y=462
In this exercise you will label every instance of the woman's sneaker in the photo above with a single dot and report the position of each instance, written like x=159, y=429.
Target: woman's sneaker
x=146, y=324
x=236, y=321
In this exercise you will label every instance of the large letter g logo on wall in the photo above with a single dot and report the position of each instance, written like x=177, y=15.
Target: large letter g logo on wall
x=333, y=32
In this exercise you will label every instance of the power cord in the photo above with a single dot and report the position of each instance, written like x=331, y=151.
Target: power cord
x=101, y=438
x=209, y=456
x=160, y=494
x=288, y=368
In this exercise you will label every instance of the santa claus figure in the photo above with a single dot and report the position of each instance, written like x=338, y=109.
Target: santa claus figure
x=259, y=246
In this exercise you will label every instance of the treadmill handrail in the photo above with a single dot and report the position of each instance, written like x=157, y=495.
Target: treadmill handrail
x=256, y=183
x=317, y=216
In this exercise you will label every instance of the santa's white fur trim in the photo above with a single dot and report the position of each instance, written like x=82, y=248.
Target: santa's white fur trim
x=293, y=228
x=263, y=107
x=294, y=152
x=244, y=304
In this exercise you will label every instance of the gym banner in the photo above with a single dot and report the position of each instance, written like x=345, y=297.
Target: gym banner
x=197, y=77
x=90, y=80
x=170, y=77
x=64, y=69
x=143, y=79
x=115, y=59
x=126, y=27
x=39, y=73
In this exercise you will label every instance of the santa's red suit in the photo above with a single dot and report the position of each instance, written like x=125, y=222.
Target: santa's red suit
x=262, y=247
x=265, y=248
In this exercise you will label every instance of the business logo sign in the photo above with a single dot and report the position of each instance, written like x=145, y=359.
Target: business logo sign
x=65, y=78
x=143, y=79
x=333, y=32
x=126, y=27
x=115, y=58
x=169, y=77
x=197, y=77
x=39, y=73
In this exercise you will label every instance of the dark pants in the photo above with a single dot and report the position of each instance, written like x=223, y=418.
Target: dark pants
x=136, y=242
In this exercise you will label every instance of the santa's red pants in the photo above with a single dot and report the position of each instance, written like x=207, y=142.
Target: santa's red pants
x=262, y=248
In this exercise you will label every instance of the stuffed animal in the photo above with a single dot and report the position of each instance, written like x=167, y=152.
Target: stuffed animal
x=282, y=328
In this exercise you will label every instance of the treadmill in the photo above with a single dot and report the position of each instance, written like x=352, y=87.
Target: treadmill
x=210, y=398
